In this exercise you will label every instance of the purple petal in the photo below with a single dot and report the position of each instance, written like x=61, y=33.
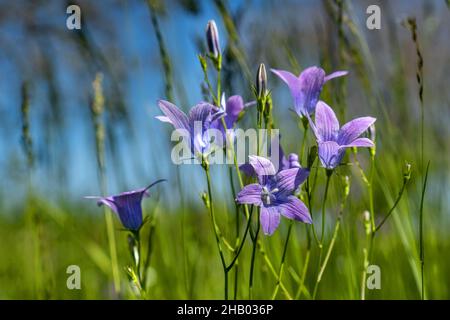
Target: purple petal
x=311, y=82
x=330, y=154
x=174, y=115
x=335, y=75
x=247, y=169
x=263, y=167
x=164, y=119
x=201, y=112
x=295, y=209
x=290, y=79
x=327, y=125
x=270, y=219
x=129, y=208
x=360, y=142
x=353, y=129
x=250, y=194
x=287, y=181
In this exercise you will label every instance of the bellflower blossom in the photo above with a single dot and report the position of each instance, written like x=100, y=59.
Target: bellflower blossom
x=127, y=206
x=274, y=193
x=230, y=108
x=333, y=140
x=305, y=89
x=200, y=119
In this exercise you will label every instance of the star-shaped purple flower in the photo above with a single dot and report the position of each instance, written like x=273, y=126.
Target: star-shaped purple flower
x=306, y=88
x=332, y=140
x=201, y=118
x=127, y=206
x=274, y=193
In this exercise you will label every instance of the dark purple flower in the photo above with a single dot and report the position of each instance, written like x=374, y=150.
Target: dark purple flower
x=332, y=140
x=306, y=88
x=127, y=206
x=274, y=193
x=200, y=119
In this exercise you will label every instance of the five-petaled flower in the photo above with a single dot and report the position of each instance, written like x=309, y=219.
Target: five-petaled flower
x=127, y=206
x=274, y=193
x=201, y=119
x=332, y=140
x=305, y=89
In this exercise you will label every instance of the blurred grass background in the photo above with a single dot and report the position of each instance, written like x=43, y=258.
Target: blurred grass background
x=46, y=225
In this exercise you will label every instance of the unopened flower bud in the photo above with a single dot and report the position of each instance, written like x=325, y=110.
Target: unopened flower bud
x=212, y=39
x=261, y=81
x=293, y=161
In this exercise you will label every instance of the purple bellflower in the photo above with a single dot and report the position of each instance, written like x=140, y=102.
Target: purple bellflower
x=230, y=108
x=274, y=193
x=333, y=140
x=200, y=119
x=127, y=206
x=306, y=88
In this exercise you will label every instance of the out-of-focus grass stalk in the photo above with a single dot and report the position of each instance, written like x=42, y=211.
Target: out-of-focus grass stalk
x=412, y=26
x=329, y=173
x=97, y=108
x=27, y=144
x=165, y=58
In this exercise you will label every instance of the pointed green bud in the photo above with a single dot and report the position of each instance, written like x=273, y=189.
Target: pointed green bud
x=407, y=172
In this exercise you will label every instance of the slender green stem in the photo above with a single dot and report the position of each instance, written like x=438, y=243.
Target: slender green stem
x=280, y=271
x=422, y=249
x=252, y=262
x=215, y=227
x=391, y=210
x=329, y=173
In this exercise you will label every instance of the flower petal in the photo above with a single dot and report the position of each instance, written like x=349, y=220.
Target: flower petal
x=360, y=142
x=201, y=112
x=335, y=75
x=250, y=194
x=174, y=115
x=353, y=129
x=129, y=208
x=327, y=125
x=330, y=154
x=294, y=208
x=287, y=181
x=311, y=82
x=263, y=167
x=247, y=169
x=270, y=219
x=290, y=79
